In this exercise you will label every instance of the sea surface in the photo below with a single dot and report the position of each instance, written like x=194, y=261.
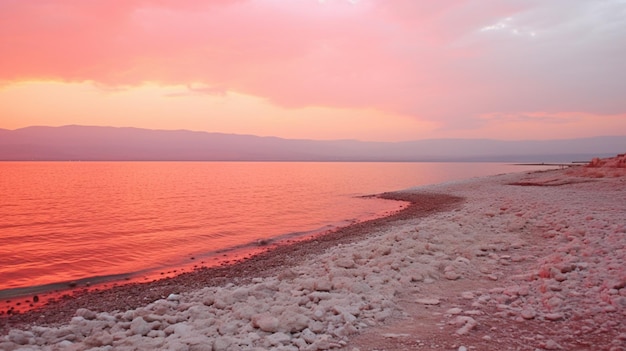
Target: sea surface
x=71, y=221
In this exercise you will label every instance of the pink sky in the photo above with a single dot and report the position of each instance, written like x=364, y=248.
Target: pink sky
x=336, y=69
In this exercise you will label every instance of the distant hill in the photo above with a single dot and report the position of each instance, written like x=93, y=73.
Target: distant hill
x=87, y=143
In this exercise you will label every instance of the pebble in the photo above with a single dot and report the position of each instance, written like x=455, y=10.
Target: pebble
x=452, y=275
x=467, y=324
x=553, y=316
x=454, y=310
x=468, y=295
x=552, y=345
x=528, y=313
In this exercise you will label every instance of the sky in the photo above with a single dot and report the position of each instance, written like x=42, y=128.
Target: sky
x=374, y=70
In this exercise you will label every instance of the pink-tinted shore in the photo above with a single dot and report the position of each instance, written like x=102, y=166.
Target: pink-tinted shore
x=59, y=307
x=526, y=261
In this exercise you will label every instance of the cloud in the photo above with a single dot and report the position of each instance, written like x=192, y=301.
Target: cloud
x=445, y=61
x=544, y=118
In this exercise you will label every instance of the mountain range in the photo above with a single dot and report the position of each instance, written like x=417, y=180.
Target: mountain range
x=92, y=143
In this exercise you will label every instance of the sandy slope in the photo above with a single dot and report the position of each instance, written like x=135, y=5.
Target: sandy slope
x=526, y=262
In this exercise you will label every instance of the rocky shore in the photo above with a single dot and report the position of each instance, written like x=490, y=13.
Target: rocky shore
x=527, y=261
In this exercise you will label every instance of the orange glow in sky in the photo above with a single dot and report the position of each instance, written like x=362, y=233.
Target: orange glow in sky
x=336, y=69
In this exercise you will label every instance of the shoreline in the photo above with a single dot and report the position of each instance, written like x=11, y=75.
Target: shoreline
x=19, y=299
x=523, y=261
x=239, y=269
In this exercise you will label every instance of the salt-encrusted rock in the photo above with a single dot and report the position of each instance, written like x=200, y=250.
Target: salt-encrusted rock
x=223, y=300
x=308, y=336
x=229, y=327
x=173, y=297
x=151, y=334
x=454, y=311
x=350, y=307
x=139, y=326
x=553, y=316
x=363, y=287
x=299, y=343
x=323, y=284
x=524, y=290
x=21, y=337
x=468, y=295
x=346, y=330
x=208, y=300
x=413, y=275
x=345, y=262
x=528, y=313
x=245, y=312
x=127, y=315
x=266, y=322
x=317, y=327
x=287, y=274
x=511, y=290
x=619, y=301
x=205, y=346
x=222, y=343
x=451, y=275
x=293, y=319
x=85, y=313
x=307, y=283
x=65, y=345
x=60, y=334
x=278, y=338
x=240, y=294
x=554, y=301
x=324, y=342
x=348, y=317
x=199, y=342
x=196, y=311
x=8, y=346
x=467, y=324
x=167, y=344
x=159, y=307
x=552, y=345
x=99, y=339
x=383, y=315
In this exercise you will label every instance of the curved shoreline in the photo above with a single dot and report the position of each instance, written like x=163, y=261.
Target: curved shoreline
x=20, y=298
x=276, y=258
x=513, y=265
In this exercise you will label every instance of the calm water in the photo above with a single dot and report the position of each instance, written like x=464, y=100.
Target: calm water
x=64, y=221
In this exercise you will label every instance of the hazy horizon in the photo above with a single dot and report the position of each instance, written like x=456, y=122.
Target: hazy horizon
x=113, y=143
x=530, y=139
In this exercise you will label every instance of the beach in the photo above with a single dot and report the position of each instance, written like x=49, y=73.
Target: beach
x=524, y=261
